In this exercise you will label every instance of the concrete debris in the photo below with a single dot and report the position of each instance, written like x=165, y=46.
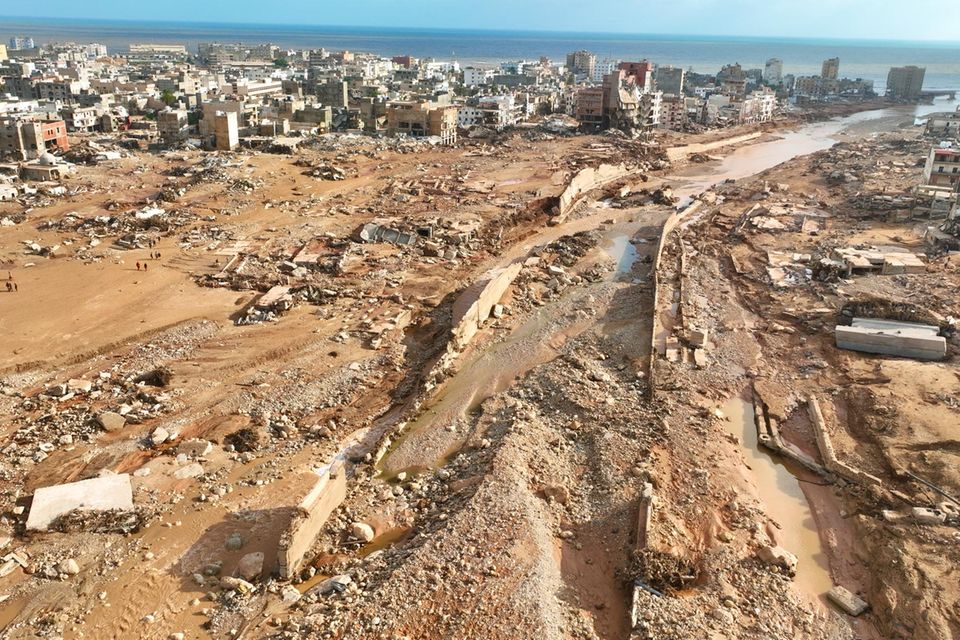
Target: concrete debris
x=96, y=494
x=850, y=603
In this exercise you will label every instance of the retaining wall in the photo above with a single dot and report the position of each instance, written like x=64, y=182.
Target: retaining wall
x=311, y=514
x=587, y=180
x=476, y=303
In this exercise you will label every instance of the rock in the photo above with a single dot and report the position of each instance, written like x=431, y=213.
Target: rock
x=336, y=583
x=556, y=493
x=778, y=556
x=847, y=601
x=236, y=584
x=79, y=384
x=251, y=565
x=234, y=542
x=289, y=594
x=179, y=635
x=56, y=390
x=192, y=470
x=922, y=515
x=159, y=436
x=362, y=531
x=722, y=615
x=195, y=447
x=69, y=567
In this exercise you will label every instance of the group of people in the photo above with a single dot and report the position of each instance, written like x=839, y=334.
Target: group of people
x=154, y=255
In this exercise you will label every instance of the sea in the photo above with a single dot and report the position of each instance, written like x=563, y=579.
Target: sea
x=868, y=59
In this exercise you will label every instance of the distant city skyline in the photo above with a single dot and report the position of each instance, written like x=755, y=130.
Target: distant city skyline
x=840, y=19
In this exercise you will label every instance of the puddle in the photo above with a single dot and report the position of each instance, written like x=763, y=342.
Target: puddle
x=783, y=499
x=308, y=584
x=622, y=250
x=385, y=540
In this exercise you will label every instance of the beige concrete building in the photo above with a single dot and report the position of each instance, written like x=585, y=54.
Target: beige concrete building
x=423, y=119
x=226, y=132
x=172, y=125
x=830, y=70
x=905, y=83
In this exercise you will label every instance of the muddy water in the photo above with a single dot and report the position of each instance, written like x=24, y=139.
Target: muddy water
x=536, y=341
x=751, y=159
x=783, y=500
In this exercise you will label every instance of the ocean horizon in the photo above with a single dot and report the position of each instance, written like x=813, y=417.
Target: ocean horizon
x=868, y=59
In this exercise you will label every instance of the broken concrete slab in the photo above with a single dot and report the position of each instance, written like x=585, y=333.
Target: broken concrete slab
x=847, y=601
x=96, y=494
x=923, y=515
x=886, y=337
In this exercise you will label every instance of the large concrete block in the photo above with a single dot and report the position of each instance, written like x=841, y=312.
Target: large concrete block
x=326, y=494
x=95, y=494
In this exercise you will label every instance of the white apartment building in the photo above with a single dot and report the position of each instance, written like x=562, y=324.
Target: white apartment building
x=474, y=77
x=494, y=112
x=602, y=68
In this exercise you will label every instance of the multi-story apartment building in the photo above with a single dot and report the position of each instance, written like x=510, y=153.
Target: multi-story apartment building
x=905, y=83
x=942, y=168
x=773, y=72
x=670, y=80
x=830, y=69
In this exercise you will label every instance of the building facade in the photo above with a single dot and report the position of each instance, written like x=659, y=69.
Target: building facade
x=905, y=83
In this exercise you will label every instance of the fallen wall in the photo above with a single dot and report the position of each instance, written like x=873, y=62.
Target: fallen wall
x=680, y=153
x=329, y=490
x=669, y=226
x=476, y=303
x=587, y=180
x=828, y=453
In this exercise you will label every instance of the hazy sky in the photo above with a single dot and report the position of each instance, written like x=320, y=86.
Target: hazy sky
x=868, y=19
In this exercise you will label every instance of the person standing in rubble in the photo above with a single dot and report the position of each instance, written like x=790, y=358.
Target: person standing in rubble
x=138, y=265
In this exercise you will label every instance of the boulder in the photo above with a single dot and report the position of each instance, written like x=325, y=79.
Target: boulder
x=159, y=436
x=236, y=584
x=922, y=515
x=80, y=385
x=289, y=594
x=195, y=447
x=362, y=531
x=250, y=565
x=69, y=567
x=192, y=470
x=778, y=556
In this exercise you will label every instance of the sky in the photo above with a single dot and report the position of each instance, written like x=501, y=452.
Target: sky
x=858, y=19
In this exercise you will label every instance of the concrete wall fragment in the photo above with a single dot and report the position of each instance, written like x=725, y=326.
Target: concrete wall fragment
x=476, y=303
x=327, y=493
